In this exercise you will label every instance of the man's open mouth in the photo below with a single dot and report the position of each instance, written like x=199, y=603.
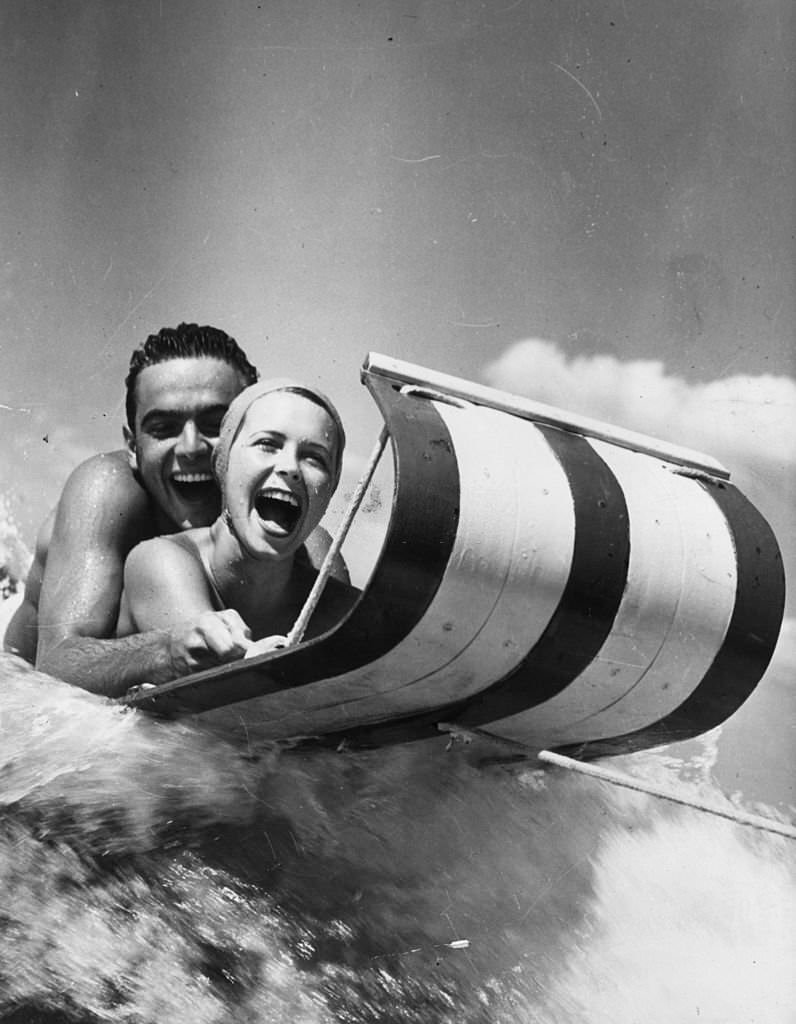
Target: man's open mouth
x=195, y=488
x=279, y=511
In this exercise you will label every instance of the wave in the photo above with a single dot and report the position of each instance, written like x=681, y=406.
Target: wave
x=158, y=873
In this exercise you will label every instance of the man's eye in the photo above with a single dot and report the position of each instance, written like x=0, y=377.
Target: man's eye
x=209, y=428
x=161, y=430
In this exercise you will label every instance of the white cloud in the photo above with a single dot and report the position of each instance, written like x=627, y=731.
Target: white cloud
x=739, y=418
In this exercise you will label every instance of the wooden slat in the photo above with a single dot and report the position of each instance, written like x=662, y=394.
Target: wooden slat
x=400, y=373
x=748, y=645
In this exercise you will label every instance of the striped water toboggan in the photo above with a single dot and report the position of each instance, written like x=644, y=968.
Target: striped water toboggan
x=545, y=579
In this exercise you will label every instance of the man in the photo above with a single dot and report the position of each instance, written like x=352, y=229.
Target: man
x=178, y=388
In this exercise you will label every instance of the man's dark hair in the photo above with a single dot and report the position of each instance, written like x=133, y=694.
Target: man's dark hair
x=185, y=342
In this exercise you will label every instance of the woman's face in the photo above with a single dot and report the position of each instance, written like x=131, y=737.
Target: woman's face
x=281, y=473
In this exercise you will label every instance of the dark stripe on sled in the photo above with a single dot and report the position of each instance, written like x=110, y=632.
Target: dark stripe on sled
x=581, y=623
x=747, y=647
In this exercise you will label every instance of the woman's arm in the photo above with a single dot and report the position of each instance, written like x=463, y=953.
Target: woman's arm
x=165, y=588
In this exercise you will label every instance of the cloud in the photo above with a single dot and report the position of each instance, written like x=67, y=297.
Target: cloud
x=743, y=418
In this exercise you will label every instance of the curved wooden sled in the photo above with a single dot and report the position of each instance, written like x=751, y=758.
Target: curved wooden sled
x=547, y=580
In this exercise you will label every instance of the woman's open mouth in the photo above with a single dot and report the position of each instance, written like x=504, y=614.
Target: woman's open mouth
x=279, y=511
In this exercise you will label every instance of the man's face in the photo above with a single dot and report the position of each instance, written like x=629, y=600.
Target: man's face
x=179, y=407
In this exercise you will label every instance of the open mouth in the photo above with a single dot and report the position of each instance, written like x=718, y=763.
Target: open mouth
x=279, y=511
x=195, y=488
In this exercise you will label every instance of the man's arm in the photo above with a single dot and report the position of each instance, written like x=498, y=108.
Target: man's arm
x=102, y=514
x=22, y=631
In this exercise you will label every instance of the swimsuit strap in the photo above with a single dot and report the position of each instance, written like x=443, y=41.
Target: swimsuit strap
x=204, y=558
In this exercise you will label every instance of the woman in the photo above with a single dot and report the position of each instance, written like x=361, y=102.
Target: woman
x=246, y=577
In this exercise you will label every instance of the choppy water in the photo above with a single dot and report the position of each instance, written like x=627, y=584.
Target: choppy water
x=151, y=873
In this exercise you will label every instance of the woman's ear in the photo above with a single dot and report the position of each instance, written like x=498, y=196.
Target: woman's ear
x=129, y=441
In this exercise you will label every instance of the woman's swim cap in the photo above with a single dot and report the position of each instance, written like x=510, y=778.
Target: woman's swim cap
x=233, y=419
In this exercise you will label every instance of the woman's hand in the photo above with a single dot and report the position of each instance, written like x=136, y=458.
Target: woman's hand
x=209, y=639
x=265, y=646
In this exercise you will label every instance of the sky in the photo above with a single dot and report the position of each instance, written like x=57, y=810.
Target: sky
x=588, y=203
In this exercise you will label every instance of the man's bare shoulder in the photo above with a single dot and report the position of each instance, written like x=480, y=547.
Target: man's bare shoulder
x=108, y=483
x=102, y=508
x=108, y=469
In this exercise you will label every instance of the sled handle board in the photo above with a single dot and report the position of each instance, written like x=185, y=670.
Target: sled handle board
x=401, y=373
